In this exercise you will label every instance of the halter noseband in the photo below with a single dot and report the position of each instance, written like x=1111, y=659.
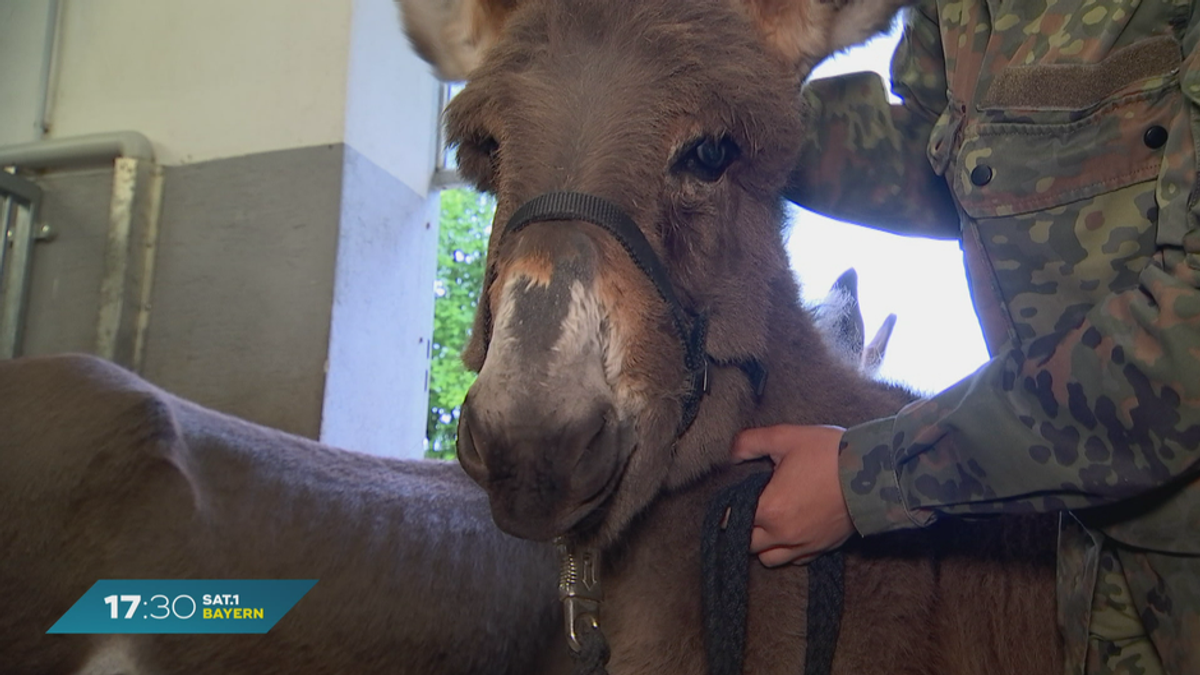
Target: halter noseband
x=691, y=328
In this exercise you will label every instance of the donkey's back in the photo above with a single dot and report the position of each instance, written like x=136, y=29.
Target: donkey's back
x=103, y=476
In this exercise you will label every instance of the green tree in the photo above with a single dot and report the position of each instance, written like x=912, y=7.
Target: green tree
x=466, y=222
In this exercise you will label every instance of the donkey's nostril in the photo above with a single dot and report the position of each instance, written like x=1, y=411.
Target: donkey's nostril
x=598, y=459
x=469, y=455
x=597, y=426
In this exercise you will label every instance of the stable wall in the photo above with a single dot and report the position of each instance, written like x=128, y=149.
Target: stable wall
x=26, y=30
x=205, y=79
x=296, y=253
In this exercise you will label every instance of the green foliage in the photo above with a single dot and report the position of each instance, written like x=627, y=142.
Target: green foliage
x=466, y=221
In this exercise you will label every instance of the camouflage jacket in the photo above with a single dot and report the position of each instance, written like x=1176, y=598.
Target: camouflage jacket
x=1057, y=142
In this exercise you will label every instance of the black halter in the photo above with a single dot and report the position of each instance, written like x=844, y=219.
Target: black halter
x=691, y=328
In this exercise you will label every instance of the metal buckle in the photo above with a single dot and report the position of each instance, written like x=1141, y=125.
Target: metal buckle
x=579, y=590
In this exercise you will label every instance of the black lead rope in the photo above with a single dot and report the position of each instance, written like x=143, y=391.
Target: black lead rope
x=725, y=561
x=725, y=570
x=592, y=658
x=826, y=597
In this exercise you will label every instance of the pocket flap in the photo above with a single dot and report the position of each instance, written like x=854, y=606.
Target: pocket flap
x=1010, y=167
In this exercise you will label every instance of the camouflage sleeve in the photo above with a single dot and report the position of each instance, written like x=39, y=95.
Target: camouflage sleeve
x=1111, y=413
x=864, y=160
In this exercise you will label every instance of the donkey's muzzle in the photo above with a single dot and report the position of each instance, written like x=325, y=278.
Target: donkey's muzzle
x=545, y=469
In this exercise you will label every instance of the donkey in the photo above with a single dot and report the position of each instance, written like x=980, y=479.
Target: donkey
x=636, y=291
x=839, y=318
x=103, y=476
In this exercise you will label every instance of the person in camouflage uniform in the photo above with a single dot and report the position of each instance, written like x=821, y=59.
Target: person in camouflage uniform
x=1058, y=142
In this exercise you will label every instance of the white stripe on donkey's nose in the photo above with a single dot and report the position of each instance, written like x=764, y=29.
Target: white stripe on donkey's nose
x=560, y=316
x=555, y=330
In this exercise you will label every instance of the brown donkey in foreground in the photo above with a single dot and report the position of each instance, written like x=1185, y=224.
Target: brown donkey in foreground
x=678, y=119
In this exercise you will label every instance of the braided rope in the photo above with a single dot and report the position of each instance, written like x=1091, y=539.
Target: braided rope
x=725, y=564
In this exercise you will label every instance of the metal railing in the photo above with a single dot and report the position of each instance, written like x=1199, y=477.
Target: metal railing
x=131, y=242
x=20, y=201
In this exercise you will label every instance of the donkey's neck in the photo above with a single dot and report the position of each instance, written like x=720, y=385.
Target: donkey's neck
x=807, y=383
x=652, y=611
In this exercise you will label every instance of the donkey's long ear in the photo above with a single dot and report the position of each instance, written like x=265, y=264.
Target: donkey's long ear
x=806, y=31
x=453, y=35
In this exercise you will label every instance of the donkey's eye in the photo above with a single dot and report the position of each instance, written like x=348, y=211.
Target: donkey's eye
x=707, y=158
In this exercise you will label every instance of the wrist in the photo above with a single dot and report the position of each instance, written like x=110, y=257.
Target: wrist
x=867, y=474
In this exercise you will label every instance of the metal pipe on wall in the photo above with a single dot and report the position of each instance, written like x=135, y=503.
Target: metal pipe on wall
x=47, y=79
x=21, y=200
x=77, y=150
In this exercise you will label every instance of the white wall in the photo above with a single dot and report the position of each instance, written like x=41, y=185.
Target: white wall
x=392, y=99
x=25, y=33
x=204, y=79
x=209, y=79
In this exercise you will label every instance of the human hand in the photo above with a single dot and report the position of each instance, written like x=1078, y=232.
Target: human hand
x=802, y=512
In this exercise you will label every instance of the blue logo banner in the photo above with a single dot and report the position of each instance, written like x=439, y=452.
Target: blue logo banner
x=126, y=606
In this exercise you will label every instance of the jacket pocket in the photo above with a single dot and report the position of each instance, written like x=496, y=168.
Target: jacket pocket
x=1060, y=191
x=1048, y=135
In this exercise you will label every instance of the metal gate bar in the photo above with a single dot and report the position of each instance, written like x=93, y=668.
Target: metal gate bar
x=132, y=233
x=20, y=201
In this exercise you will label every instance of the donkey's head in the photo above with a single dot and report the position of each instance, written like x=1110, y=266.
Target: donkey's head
x=672, y=125
x=840, y=319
